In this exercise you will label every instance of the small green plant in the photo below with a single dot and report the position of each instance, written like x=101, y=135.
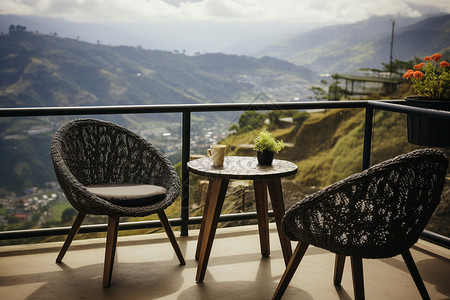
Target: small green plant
x=265, y=141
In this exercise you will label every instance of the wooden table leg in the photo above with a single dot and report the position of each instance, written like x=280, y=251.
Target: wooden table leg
x=202, y=225
x=276, y=197
x=216, y=197
x=260, y=187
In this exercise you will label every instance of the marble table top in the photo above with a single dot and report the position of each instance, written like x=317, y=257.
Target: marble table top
x=242, y=167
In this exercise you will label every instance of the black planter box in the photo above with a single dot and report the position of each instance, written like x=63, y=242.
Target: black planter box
x=428, y=131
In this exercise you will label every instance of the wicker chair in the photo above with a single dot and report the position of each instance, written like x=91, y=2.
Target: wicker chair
x=378, y=213
x=105, y=169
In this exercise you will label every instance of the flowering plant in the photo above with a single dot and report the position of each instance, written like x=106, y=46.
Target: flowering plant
x=431, y=79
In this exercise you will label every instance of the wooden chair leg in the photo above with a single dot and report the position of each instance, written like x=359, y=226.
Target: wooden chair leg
x=338, y=268
x=111, y=242
x=358, y=278
x=73, y=231
x=166, y=225
x=290, y=270
x=415, y=274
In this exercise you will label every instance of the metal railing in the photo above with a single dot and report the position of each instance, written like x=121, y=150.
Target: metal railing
x=186, y=110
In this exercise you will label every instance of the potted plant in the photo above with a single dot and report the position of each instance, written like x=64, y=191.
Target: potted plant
x=266, y=146
x=431, y=83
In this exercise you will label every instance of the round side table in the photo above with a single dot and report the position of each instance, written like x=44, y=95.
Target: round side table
x=264, y=178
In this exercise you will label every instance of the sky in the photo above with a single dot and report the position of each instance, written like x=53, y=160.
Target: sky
x=249, y=11
x=229, y=26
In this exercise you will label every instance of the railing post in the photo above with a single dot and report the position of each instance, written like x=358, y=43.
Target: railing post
x=367, y=137
x=185, y=155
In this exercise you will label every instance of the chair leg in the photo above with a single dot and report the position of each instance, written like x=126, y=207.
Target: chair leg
x=415, y=274
x=111, y=242
x=295, y=260
x=358, y=278
x=165, y=223
x=73, y=231
x=338, y=268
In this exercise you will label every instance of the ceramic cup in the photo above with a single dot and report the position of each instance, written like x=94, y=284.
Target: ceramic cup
x=217, y=154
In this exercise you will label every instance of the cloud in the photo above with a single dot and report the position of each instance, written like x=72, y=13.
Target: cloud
x=294, y=11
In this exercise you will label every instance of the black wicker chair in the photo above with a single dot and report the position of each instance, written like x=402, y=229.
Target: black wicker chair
x=105, y=169
x=378, y=213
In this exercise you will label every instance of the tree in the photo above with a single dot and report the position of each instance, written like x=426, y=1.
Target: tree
x=319, y=93
x=68, y=214
x=234, y=128
x=16, y=29
x=20, y=28
x=12, y=219
x=250, y=120
x=36, y=217
x=399, y=66
x=274, y=118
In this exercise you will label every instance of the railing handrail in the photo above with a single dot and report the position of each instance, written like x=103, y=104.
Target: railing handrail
x=186, y=110
x=390, y=105
x=170, y=108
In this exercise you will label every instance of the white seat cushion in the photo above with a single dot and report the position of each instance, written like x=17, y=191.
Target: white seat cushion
x=128, y=194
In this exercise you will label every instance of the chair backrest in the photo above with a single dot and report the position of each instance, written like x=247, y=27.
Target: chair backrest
x=380, y=212
x=89, y=151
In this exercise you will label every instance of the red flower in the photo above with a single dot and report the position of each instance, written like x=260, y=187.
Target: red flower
x=427, y=58
x=444, y=64
x=418, y=66
x=408, y=74
x=418, y=75
x=436, y=57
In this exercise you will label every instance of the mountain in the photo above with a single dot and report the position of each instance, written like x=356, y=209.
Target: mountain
x=43, y=70
x=365, y=44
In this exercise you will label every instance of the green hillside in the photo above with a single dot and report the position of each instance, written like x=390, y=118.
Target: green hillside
x=42, y=70
x=328, y=145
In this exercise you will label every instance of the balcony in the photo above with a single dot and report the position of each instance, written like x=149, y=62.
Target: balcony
x=146, y=268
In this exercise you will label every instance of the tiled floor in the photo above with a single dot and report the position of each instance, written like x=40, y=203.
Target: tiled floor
x=147, y=268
